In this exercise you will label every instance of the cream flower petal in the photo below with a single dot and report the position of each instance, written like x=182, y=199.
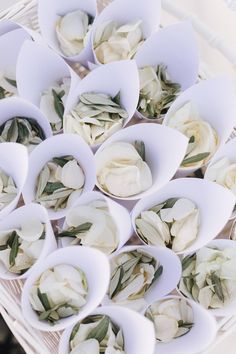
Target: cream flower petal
x=160, y=226
x=90, y=346
x=47, y=107
x=31, y=229
x=72, y=175
x=82, y=334
x=132, y=288
x=185, y=231
x=214, y=169
x=165, y=328
x=32, y=249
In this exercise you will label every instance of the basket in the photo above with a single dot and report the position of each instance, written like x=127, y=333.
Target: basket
x=25, y=13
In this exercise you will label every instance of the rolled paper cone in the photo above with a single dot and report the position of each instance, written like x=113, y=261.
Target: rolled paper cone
x=49, y=13
x=56, y=146
x=165, y=149
x=198, y=339
x=230, y=308
x=10, y=25
x=229, y=151
x=110, y=79
x=14, y=162
x=51, y=69
x=166, y=47
x=96, y=268
x=133, y=325
x=118, y=213
x=125, y=11
x=14, y=220
x=214, y=202
x=166, y=282
x=18, y=107
x=214, y=99
x=10, y=44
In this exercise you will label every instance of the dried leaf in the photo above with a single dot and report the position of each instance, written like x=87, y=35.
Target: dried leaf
x=100, y=331
x=196, y=158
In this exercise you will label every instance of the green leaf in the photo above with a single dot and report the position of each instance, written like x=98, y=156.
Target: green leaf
x=169, y=203
x=100, y=331
x=195, y=158
x=44, y=300
x=186, y=261
x=23, y=133
x=140, y=147
x=192, y=139
x=72, y=232
x=3, y=247
x=216, y=282
x=52, y=187
x=116, y=282
x=74, y=331
x=2, y=93
x=36, y=128
x=157, y=274
x=13, y=130
x=14, y=250
x=62, y=160
x=58, y=104
x=116, y=98
x=11, y=82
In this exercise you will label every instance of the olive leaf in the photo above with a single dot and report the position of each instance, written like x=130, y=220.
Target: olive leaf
x=140, y=147
x=58, y=104
x=52, y=187
x=74, y=231
x=14, y=244
x=44, y=300
x=196, y=158
x=116, y=282
x=186, y=261
x=62, y=160
x=11, y=82
x=216, y=282
x=100, y=331
x=157, y=274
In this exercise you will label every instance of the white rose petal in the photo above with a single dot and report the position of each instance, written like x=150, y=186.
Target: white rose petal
x=72, y=175
x=90, y=346
x=165, y=328
x=31, y=229
x=214, y=169
x=132, y=288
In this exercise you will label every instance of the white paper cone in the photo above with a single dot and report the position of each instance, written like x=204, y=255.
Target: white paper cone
x=14, y=162
x=166, y=282
x=48, y=14
x=138, y=332
x=214, y=202
x=14, y=220
x=51, y=68
x=59, y=145
x=18, y=107
x=229, y=309
x=119, y=214
x=215, y=102
x=9, y=25
x=198, y=339
x=229, y=151
x=96, y=268
x=167, y=46
x=125, y=11
x=10, y=44
x=110, y=79
x=165, y=149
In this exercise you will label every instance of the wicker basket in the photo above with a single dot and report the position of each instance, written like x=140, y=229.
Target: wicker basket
x=36, y=342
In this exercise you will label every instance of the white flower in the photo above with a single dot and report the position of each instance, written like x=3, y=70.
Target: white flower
x=166, y=316
x=176, y=226
x=48, y=102
x=85, y=340
x=22, y=246
x=213, y=274
x=203, y=137
x=103, y=231
x=150, y=85
x=71, y=31
x=121, y=170
x=223, y=172
x=64, y=287
x=113, y=42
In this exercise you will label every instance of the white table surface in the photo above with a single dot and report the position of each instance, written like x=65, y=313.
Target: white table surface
x=223, y=21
